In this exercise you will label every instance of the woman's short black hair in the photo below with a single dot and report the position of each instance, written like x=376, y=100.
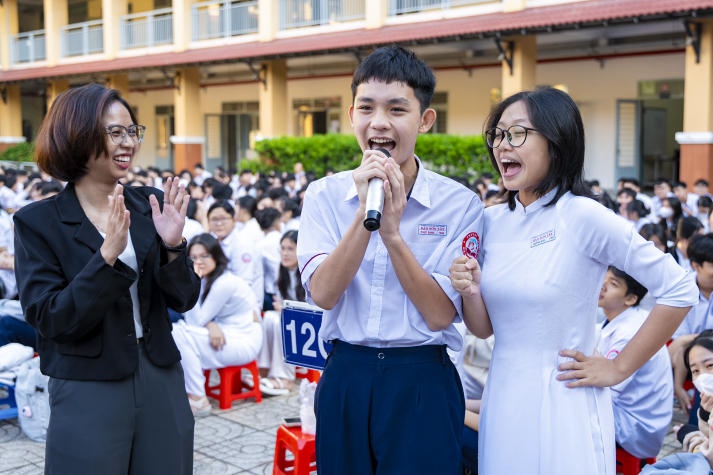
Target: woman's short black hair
x=73, y=131
x=556, y=117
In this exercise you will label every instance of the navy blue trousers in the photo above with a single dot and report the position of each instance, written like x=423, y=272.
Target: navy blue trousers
x=389, y=410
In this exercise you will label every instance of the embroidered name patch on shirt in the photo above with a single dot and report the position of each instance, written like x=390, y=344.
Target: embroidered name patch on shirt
x=432, y=229
x=542, y=238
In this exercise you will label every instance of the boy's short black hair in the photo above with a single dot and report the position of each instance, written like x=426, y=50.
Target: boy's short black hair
x=396, y=64
x=638, y=207
x=705, y=201
x=687, y=227
x=627, y=191
x=700, y=249
x=633, y=287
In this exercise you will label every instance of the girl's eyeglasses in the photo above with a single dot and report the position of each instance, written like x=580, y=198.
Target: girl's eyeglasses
x=516, y=135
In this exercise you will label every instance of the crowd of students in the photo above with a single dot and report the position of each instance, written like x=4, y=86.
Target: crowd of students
x=219, y=252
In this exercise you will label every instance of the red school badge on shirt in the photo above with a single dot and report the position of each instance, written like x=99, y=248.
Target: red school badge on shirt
x=471, y=245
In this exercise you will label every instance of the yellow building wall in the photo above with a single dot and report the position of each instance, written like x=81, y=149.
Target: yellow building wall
x=594, y=88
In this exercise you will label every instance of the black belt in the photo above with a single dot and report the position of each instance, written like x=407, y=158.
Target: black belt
x=139, y=340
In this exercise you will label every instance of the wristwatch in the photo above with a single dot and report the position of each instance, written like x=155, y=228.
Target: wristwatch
x=178, y=248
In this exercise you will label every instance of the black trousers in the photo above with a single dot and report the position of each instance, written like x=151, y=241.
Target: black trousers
x=140, y=425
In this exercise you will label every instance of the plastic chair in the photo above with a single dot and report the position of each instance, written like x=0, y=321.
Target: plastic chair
x=627, y=464
x=231, y=387
x=311, y=375
x=301, y=446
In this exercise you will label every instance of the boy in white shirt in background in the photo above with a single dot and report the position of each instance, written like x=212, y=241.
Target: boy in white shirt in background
x=643, y=403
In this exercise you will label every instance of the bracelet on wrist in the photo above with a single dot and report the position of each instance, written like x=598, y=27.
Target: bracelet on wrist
x=178, y=248
x=703, y=414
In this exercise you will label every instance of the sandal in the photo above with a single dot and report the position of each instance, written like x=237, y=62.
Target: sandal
x=274, y=387
x=247, y=380
x=201, y=407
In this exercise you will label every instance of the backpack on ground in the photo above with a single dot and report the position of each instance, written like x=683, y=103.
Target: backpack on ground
x=32, y=397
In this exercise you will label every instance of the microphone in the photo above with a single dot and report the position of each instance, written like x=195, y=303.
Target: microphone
x=375, y=200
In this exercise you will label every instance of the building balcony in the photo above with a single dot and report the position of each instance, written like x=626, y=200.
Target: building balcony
x=300, y=13
x=83, y=39
x=210, y=20
x=147, y=29
x=28, y=47
x=223, y=19
x=400, y=7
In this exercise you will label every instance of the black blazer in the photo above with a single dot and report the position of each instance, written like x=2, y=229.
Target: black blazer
x=81, y=306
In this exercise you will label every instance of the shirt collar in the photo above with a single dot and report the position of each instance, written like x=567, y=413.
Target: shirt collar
x=537, y=204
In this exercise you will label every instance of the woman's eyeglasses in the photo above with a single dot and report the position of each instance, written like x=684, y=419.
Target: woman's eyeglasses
x=118, y=133
x=516, y=135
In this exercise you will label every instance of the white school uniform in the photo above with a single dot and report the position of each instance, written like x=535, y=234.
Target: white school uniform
x=643, y=403
x=440, y=218
x=245, y=261
x=269, y=251
x=697, y=319
x=542, y=272
x=231, y=304
x=272, y=353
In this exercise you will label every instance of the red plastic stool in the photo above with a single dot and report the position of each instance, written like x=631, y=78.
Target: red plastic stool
x=231, y=387
x=302, y=448
x=311, y=375
x=627, y=464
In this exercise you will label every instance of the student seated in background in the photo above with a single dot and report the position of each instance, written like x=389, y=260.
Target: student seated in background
x=13, y=327
x=700, y=255
x=473, y=363
x=222, y=329
x=279, y=376
x=685, y=230
x=697, y=455
x=643, y=403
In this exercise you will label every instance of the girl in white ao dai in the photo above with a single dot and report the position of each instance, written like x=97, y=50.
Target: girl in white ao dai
x=546, y=408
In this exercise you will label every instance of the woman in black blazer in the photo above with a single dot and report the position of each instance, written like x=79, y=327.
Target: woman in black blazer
x=97, y=266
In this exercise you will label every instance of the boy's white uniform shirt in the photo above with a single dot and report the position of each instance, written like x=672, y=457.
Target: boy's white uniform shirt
x=441, y=218
x=643, y=403
x=697, y=319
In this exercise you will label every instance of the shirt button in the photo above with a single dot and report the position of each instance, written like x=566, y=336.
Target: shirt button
x=380, y=356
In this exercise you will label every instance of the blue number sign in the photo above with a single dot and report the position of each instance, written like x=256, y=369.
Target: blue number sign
x=300, y=335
